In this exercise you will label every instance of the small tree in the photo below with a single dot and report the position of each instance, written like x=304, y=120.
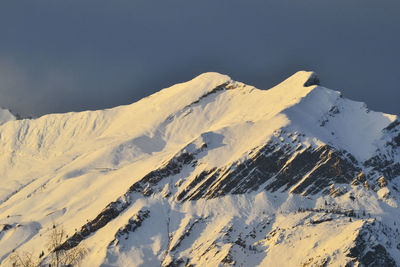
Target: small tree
x=61, y=257
x=23, y=260
x=57, y=257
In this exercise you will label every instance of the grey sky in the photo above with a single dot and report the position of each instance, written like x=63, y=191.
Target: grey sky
x=58, y=56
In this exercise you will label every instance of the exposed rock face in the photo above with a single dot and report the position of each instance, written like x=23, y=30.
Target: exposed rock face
x=174, y=166
x=367, y=251
x=313, y=80
x=381, y=164
x=397, y=140
x=134, y=223
x=5, y=227
x=360, y=179
x=382, y=182
x=109, y=213
x=335, y=191
x=307, y=171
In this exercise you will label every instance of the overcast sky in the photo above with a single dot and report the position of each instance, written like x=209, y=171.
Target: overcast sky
x=58, y=56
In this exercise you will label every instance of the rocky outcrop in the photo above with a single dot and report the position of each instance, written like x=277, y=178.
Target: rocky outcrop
x=109, y=213
x=367, y=250
x=360, y=179
x=133, y=223
x=303, y=171
x=382, y=182
x=173, y=166
x=313, y=80
x=5, y=228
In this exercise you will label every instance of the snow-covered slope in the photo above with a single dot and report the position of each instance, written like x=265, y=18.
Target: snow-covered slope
x=5, y=116
x=208, y=172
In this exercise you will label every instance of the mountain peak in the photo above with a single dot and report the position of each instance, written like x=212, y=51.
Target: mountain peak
x=207, y=76
x=303, y=78
x=312, y=80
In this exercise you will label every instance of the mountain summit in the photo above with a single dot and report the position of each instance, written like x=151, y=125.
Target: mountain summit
x=210, y=172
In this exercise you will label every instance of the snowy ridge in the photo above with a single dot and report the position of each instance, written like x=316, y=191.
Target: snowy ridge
x=5, y=116
x=208, y=172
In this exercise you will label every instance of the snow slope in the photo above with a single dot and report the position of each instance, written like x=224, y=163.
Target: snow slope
x=5, y=116
x=207, y=172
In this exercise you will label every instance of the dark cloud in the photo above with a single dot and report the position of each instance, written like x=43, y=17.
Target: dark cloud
x=58, y=56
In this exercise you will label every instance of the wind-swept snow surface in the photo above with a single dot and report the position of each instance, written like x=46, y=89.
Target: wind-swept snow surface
x=208, y=172
x=5, y=116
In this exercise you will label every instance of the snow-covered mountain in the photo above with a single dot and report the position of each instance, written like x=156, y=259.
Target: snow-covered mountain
x=205, y=173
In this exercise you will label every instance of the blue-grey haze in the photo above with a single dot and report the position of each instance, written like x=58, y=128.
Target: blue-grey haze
x=58, y=56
